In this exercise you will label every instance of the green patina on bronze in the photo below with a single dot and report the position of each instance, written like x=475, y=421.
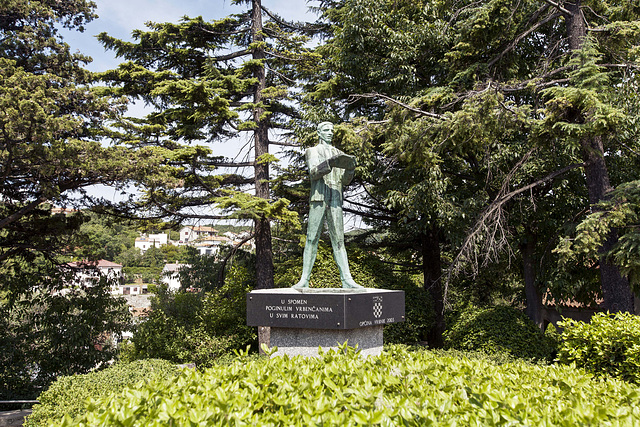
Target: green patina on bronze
x=330, y=169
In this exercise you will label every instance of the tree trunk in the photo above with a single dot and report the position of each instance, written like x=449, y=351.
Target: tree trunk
x=264, y=254
x=432, y=271
x=576, y=26
x=615, y=288
x=532, y=293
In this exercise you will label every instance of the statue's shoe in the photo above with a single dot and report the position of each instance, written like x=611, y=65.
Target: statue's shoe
x=301, y=284
x=350, y=284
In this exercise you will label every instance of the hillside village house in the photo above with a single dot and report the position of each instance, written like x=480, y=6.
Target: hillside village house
x=63, y=211
x=137, y=288
x=192, y=233
x=211, y=245
x=204, y=238
x=152, y=240
x=170, y=275
x=88, y=271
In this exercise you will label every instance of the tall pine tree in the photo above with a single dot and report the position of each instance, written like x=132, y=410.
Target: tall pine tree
x=51, y=122
x=207, y=82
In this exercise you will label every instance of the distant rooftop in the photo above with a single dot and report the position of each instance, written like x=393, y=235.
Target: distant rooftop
x=173, y=267
x=100, y=263
x=63, y=211
x=202, y=228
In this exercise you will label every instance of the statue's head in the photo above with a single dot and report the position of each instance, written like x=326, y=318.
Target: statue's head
x=325, y=131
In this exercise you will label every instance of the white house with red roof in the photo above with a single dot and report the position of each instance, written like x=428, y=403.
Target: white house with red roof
x=192, y=233
x=88, y=271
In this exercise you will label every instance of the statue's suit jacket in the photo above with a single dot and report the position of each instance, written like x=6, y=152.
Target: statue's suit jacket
x=326, y=182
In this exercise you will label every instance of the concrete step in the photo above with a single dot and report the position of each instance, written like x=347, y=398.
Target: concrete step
x=13, y=418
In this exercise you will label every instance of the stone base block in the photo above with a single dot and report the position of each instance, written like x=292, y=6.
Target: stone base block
x=13, y=418
x=305, y=342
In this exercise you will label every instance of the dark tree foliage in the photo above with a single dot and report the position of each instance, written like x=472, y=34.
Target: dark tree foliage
x=46, y=334
x=51, y=123
x=488, y=126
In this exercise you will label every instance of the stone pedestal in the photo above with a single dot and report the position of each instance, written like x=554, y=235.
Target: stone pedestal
x=305, y=342
x=302, y=321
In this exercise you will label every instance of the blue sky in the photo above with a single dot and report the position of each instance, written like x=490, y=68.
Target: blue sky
x=120, y=17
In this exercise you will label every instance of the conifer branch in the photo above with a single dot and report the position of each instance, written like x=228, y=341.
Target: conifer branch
x=629, y=148
x=491, y=220
x=282, y=76
x=558, y=6
x=524, y=84
x=4, y=222
x=628, y=65
x=177, y=214
x=596, y=14
x=457, y=13
x=517, y=40
x=217, y=33
x=229, y=164
x=232, y=55
x=369, y=215
x=296, y=26
x=287, y=58
x=230, y=255
x=284, y=144
x=368, y=206
x=353, y=98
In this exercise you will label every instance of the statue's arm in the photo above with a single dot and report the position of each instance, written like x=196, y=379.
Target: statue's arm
x=317, y=166
x=344, y=161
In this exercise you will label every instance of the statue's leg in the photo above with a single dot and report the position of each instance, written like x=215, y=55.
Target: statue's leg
x=314, y=229
x=335, y=222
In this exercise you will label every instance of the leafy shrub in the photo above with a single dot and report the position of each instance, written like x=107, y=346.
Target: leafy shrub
x=68, y=395
x=608, y=346
x=493, y=358
x=45, y=335
x=398, y=388
x=195, y=327
x=498, y=329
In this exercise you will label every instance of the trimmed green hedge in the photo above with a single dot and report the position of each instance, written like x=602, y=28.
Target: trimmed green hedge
x=68, y=395
x=607, y=346
x=398, y=388
x=498, y=330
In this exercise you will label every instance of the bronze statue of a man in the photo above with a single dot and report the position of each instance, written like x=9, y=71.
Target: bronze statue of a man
x=330, y=169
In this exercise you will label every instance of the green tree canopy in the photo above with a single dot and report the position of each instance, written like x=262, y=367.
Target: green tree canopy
x=51, y=127
x=483, y=117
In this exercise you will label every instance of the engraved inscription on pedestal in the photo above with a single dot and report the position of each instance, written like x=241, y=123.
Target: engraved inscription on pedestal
x=287, y=308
